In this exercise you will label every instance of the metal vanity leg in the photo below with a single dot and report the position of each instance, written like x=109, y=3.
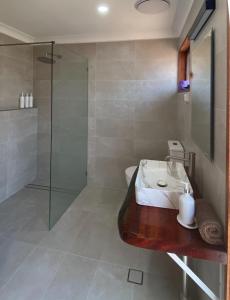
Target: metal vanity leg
x=183, y=265
x=222, y=281
x=184, y=293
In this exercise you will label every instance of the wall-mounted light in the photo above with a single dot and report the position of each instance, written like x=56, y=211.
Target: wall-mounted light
x=205, y=13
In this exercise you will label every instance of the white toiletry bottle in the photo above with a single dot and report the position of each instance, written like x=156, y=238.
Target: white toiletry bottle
x=22, y=101
x=186, y=208
x=27, y=100
x=31, y=100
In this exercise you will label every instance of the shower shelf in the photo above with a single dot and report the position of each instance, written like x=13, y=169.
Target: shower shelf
x=17, y=109
x=157, y=229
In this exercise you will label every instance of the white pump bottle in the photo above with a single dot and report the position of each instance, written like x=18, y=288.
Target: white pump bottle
x=186, y=208
x=22, y=101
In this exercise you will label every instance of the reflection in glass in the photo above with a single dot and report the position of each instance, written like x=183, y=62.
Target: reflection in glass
x=202, y=94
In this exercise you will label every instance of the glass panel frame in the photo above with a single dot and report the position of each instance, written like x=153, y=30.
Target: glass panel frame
x=69, y=137
x=81, y=146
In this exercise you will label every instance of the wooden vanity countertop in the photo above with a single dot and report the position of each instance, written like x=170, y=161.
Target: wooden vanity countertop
x=157, y=229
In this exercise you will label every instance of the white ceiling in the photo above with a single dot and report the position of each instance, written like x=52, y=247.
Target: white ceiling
x=78, y=21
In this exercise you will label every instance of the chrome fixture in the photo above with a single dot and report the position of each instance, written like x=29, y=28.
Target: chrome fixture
x=48, y=58
x=189, y=160
x=152, y=6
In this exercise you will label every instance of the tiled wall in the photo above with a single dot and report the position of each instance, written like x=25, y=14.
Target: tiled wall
x=132, y=105
x=18, y=128
x=16, y=76
x=18, y=150
x=210, y=176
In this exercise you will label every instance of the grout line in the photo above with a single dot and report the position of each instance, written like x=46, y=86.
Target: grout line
x=115, y=264
x=91, y=258
x=92, y=280
x=65, y=252
x=54, y=277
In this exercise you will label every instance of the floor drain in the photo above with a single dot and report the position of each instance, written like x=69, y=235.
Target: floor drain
x=135, y=276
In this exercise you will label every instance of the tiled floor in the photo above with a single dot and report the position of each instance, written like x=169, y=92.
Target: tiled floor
x=82, y=258
x=25, y=216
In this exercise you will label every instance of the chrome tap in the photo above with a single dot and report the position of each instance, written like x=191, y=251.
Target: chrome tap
x=190, y=162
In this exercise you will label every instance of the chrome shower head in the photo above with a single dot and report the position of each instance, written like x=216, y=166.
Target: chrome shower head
x=47, y=58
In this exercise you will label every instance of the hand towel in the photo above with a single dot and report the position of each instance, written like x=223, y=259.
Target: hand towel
x=209, y=226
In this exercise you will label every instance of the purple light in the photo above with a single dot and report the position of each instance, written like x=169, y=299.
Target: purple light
x=184, y=85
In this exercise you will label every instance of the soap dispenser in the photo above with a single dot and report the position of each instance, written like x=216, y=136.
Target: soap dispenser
x=31, y=100
x=186, y=216
x=27, y=101
x=22, y=101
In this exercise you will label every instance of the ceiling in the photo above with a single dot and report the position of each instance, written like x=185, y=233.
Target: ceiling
x=67, y=21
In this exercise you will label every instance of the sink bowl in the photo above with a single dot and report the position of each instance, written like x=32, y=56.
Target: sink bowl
x=155, y=186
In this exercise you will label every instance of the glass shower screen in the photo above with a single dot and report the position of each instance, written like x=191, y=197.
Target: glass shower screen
x=69, y=133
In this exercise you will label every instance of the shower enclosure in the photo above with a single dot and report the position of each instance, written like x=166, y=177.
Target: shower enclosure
x=48, y=143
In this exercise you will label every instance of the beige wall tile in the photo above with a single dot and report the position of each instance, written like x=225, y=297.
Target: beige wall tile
x=116, y=90
x=115, y=109
x=115, y=70
x=156, y=111
x=149, y=149
x=220, y=139
x=16, y=76
x=156, y=69
x=155, y=131
x=114, y=128
x=221, y=80
x=116, y=51
x=162, y=48
x=110, y=172
x=85, y=50
x=42, y=89
x=114, y=147
x=92, y=127
x=136, y=105
x=157, y=90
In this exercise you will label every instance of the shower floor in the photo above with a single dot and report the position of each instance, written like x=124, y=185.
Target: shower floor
x=25, y=215
x=81, y=258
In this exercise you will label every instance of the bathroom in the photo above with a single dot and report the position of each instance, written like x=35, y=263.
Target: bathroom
x=104, y=80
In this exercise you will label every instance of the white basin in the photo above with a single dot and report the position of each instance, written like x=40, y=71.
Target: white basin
x=151, y=173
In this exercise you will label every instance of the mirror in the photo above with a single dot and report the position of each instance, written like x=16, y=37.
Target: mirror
x=202, y=87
